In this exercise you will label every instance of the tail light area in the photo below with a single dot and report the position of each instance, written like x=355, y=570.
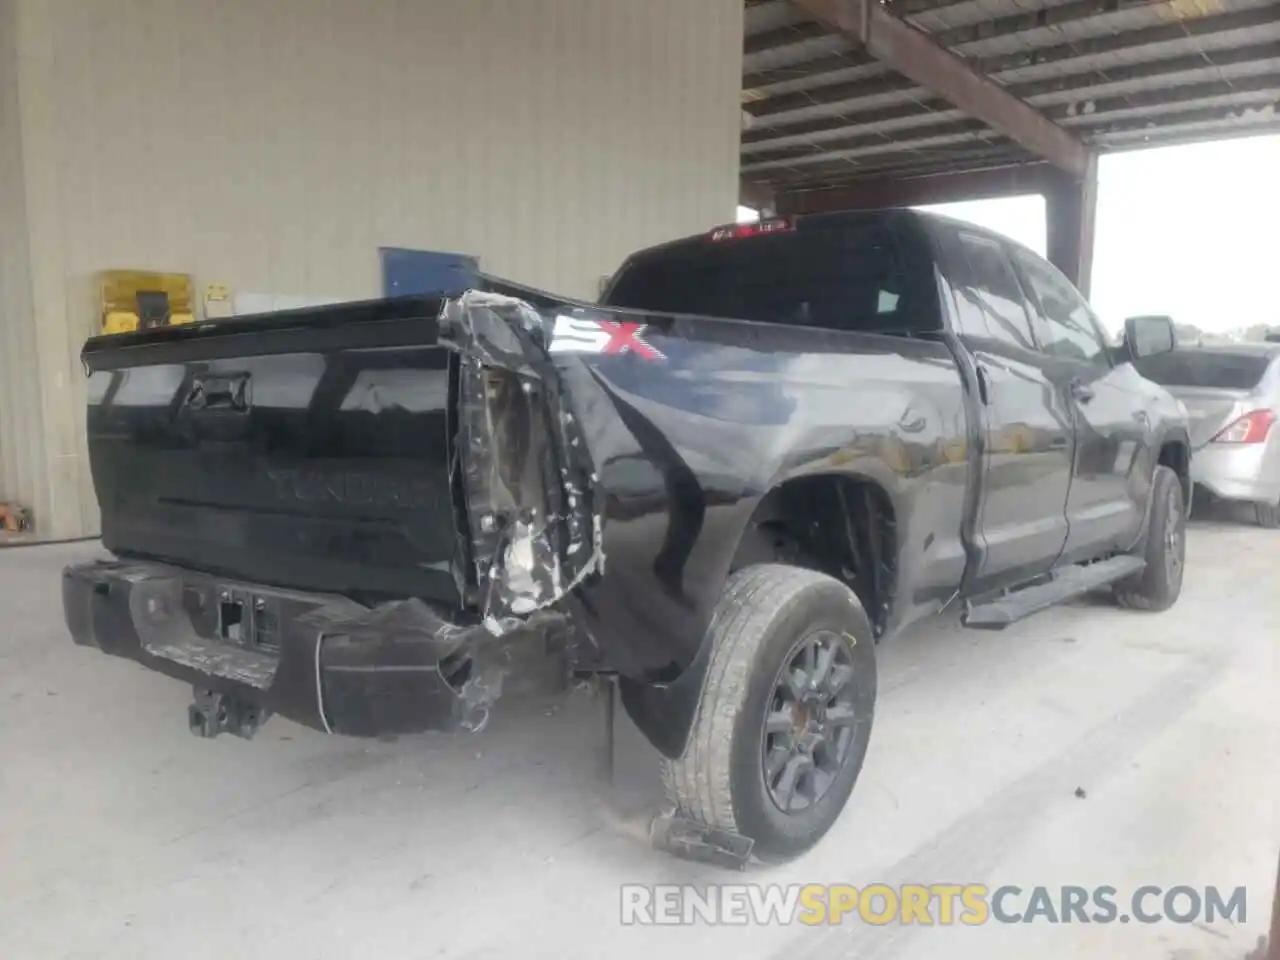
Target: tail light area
x=1253, y=427
x=523, y=533
x=500, y=448
x=521, y=475
x=740, y=231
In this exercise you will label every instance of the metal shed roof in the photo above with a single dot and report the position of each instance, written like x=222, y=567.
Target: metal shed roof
x=819, y=111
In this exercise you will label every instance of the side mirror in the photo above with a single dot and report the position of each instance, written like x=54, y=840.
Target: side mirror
x=1148, y=336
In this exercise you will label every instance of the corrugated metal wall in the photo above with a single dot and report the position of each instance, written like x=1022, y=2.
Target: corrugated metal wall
x=275, y=146
x=22, y=462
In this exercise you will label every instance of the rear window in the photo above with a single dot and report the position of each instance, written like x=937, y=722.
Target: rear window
x=1205, y=368
x=850, y=278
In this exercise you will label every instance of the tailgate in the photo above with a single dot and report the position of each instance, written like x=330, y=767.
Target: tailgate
x=307, y=449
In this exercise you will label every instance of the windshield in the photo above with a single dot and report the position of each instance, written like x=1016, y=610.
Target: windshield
x=850, y=277
x=1205, y=368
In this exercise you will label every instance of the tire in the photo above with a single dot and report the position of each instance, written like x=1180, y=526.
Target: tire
x=769, y=617
x=1164, y=548
x=1267, y=514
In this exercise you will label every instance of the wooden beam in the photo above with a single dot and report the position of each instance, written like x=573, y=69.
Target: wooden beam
x=1045, y=94
x=1125, y=43
x=891, y=191
x=915, y=54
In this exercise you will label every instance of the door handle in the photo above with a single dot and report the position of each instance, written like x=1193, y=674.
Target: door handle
x=229, y=393
x=1081, y=390
x=984, y=389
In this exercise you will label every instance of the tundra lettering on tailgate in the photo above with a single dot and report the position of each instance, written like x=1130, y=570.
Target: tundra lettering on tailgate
x=310, y=485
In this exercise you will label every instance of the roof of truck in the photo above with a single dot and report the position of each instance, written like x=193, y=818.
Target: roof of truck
x=745, y=231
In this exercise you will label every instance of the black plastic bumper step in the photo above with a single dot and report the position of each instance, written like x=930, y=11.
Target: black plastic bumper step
x=1065, y=584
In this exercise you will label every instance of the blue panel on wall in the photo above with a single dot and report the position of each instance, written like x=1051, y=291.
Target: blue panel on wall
x=406, y=272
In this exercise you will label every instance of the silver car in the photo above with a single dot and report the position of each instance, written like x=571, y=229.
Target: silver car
x=1232, y=396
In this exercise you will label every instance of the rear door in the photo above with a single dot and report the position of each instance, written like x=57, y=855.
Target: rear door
x=1114, y=437
x=1027, y=424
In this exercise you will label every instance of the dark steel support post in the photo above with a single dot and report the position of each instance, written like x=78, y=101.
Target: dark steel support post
x=1070, y=209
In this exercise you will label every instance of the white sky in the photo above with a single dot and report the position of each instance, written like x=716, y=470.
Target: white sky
x=1193, y=232
x=1021, y=218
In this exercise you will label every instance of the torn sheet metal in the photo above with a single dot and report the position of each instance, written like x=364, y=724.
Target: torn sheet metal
x=529, y=484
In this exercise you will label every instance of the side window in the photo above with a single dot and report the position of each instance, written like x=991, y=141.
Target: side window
x=991, y=290
x=969, y=320
x=1070, y=330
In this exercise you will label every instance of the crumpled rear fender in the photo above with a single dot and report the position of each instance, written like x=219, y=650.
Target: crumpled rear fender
x=577, y=499
x=611, y=468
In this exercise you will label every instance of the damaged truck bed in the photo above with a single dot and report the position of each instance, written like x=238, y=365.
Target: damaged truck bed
x=369, y=517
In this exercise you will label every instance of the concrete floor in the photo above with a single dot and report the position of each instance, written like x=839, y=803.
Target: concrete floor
x=122, y=836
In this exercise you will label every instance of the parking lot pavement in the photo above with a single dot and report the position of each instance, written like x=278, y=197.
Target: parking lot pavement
x=1087, y=746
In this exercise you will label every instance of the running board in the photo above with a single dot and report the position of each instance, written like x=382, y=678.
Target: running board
x=1066, y=584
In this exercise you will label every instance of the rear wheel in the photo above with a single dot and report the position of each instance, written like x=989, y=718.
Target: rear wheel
x=785, y=716
x=1267, y=514
x=1165, y=549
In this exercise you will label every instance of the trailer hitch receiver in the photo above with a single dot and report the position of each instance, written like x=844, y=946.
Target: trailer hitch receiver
x=213, y=713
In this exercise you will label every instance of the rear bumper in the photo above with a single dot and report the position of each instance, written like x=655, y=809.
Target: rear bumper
x=1237, y=472
x=320, y=660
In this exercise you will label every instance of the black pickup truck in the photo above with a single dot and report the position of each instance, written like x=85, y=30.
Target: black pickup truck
x=768, y=448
